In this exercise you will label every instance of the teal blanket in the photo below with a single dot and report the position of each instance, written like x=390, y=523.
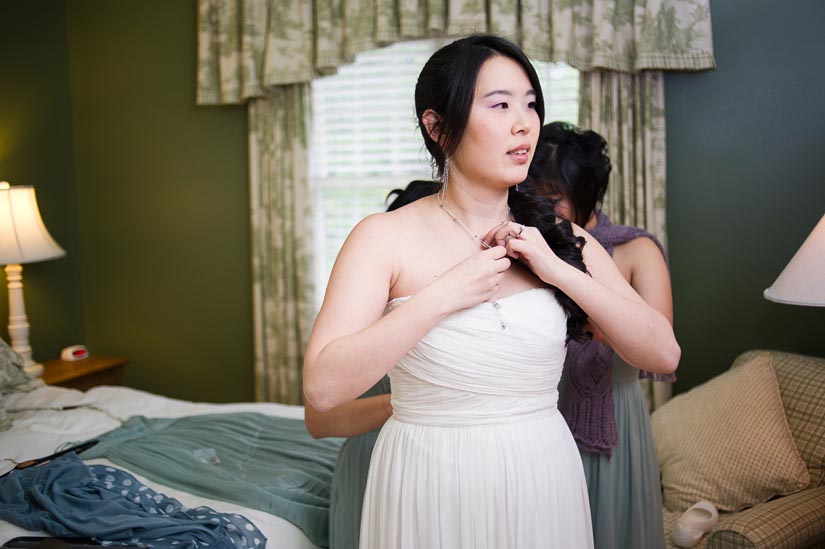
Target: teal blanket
x=258, y=461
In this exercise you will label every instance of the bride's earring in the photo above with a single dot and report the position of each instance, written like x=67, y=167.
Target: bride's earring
x=445, y=175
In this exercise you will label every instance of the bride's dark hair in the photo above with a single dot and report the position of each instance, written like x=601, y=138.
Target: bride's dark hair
x=536, y=211
x=447, y=84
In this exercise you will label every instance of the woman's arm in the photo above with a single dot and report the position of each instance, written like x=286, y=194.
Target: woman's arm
x=640, y=334
x=352, y=345
x=643, y=265
x=357, y=417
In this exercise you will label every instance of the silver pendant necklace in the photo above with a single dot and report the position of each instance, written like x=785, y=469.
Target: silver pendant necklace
x=455, y=218
x=496, y=305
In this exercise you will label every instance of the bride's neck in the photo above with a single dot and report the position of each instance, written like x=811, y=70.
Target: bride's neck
x=474, y=205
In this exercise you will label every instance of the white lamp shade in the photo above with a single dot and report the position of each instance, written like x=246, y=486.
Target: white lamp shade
x=23, y=236
x=802, y=282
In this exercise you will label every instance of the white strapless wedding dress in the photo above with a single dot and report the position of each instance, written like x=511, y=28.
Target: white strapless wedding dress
x=476, y=454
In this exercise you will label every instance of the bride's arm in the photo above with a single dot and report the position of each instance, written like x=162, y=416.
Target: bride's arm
x=640, y=334
x=352, y=345
x=357, y=417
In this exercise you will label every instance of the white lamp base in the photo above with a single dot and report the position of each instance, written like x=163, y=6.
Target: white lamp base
x=18, y=323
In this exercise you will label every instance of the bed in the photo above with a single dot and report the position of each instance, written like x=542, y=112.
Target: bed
x=46, y=419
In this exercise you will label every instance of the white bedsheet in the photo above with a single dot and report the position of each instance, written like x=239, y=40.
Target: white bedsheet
x=41, y=431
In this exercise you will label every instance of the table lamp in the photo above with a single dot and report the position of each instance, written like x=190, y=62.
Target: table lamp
x=802, y=282
x=23, y=239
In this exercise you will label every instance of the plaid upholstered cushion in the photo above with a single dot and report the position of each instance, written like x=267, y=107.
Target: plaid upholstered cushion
x=791, y=522
x=802, y=387
x=728, y=441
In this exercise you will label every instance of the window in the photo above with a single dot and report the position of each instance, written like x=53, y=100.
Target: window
x=365, y=140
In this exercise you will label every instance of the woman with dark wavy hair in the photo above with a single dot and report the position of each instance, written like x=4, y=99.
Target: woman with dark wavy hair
x=467, y=299
x=601, y=398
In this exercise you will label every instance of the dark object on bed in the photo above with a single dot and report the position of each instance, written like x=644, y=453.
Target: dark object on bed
x=38, y=461
x=35, y=542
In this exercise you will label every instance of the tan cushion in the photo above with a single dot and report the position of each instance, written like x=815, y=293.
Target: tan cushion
x=802, y=386
x=727, y=441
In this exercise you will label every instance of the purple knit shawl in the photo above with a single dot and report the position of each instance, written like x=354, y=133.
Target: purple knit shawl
x=588, y=395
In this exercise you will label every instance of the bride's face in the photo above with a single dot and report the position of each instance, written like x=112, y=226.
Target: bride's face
x=500, y=139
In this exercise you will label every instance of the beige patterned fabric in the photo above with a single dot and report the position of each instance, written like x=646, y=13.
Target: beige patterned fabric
x=727, y=441
x=632, y=36
x=802, y=386
x=281, y=236
x=792, y=522
x=628, y=110
x=796, y=521
x=246, y=47
x=262, y=48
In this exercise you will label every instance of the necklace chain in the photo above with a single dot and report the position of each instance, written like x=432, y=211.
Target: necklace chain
x=496, y=305
x=455, y=218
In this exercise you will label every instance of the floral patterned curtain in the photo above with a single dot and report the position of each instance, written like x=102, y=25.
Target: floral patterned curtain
x=281, y=242
x=264, y=52
x=629, y=111
x=249, y=46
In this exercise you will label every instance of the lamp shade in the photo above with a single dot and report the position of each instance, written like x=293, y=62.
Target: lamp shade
x=23, y=236
x=802, y=282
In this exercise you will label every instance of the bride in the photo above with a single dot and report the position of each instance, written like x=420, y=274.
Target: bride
x=467, y=299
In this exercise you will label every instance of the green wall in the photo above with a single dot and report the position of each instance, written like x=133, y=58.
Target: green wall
x=147, y=192
x=163, y=203
x=745, y=182
x=36, y=149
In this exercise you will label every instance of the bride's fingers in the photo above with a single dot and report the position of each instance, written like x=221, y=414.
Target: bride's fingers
x=515, y=246
x=500, y=234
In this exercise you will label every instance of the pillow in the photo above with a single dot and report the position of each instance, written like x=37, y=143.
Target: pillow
x=12, y=374
x=12, y=378
x=727, y=441
x=802, y=386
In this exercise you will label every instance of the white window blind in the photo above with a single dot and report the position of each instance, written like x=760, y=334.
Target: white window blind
x=365, y=141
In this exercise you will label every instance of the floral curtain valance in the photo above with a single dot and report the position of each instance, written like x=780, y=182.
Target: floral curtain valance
x=248, y=46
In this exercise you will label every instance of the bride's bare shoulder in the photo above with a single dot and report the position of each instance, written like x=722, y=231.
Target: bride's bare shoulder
x=386, y=228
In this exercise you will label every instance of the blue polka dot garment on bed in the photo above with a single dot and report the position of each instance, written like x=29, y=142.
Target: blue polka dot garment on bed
x=68, y=498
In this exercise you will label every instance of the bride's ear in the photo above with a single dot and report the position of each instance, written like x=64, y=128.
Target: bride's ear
x=431, y=123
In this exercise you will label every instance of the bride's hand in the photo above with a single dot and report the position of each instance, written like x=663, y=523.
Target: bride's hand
x=527, y=245
x=473, y=280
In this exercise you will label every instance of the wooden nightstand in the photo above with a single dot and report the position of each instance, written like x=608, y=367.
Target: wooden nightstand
x=85, y=374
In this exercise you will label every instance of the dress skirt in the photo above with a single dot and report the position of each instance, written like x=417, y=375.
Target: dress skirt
x=516, y=486
x=625, y=491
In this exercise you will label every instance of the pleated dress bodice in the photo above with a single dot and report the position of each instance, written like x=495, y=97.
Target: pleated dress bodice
x=492, y=363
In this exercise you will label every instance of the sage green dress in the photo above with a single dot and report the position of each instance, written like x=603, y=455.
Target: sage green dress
x=349, y=482
x=625, y=490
